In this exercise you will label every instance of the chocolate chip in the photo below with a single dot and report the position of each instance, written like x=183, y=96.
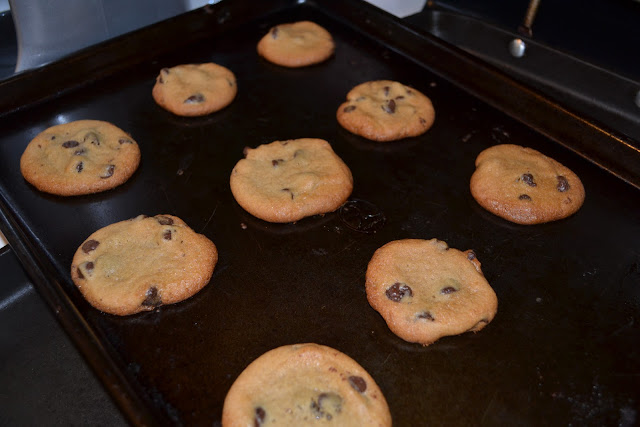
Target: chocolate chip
x=90, y=245
x=89, y=266
x=108, y=173
x=166, y=235
x=276, y=162
x=152, y=298
x=261, y=414
x=286, y=189
x=79, y=152
x=527, y=178
x=198, y=98
x=397, y=291
x=386, y=90
x=358, y=383
x=125, y=141
x=448, y=290
x=423, y=121
x=163, y=220
x=80, y=275
x=563, y=184
x=399, y=97
x=92, y=138
x=426, y=315
x=389, y=107
x=349, y=108
x=326, y=406
x=471, y=255
x=274, y=32
x=79, y=167
x=70, y=144
x=524, y=197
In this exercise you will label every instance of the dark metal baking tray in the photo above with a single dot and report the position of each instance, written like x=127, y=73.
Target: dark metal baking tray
x=564, y=347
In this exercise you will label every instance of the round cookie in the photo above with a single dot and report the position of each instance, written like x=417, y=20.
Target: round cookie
x=385, y=110
x=524, y=186
x=80, y=157
x=425, y=290
x=285, y=181
x=195, y=89
x=297, y=44
x=142, y=263
x=305, y=384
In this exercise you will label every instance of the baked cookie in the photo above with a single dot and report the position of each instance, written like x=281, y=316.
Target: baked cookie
x=425, y=290
x=305, y=384
x=285, y=181
x=142, y=263
x=195, y=89
x=81, y=157
x=297, y=44
x=524, y=186
x=385, y=110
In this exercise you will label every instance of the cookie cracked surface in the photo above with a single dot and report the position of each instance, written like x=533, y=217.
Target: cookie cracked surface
x=296, y=44
x=285, y=181
x=524, y=186
x=425, y=290
x=385, y=110
x=305, y=384
x=80, y=157
x=195, y=89
x=142, y=263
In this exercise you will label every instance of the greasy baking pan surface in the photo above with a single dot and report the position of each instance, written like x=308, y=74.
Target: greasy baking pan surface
x=565, y=344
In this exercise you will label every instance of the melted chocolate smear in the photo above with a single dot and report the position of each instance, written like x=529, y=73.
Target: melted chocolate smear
x=349, y=108
x=398, y=291
x=362, y=216
x=389, y=107
x=198, y=98
x=358, y=383
x=109, y=172
x=426, y=315
x=90, y=245
x=260, y=416
x=563, y=184
x=70, y=144
x=163, y=220
x=152, y=298
x=527, y=178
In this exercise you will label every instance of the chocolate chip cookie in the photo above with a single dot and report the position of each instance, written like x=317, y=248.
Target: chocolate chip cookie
x=81, y=157
x=385, y=110
x=297, y=44
x=195, y=89
x=285, y=181
x=142, y=263
x=425, y=290
x=305, y=384
x=524, y=186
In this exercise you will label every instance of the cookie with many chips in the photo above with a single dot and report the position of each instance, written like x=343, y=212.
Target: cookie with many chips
x=195, y=89
x=142, y=263
x=285, y=181
x=524, y=186
x=305, y=384
x=425, y=290
x=296, y=44
x=385, y=110
x=80, y=157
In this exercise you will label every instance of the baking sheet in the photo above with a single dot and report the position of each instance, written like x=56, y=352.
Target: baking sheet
x=564, y=345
